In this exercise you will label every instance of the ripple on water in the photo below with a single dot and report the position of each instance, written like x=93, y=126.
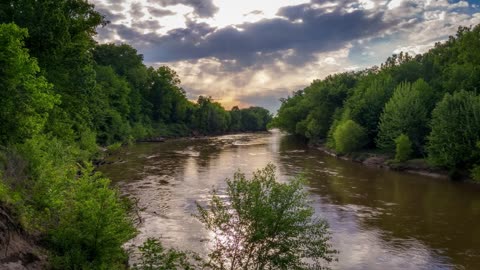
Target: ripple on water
x=379, y=219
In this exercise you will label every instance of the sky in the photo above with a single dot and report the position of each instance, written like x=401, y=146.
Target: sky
x=254, y=52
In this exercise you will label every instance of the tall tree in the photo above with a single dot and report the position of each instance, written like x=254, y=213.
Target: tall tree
x=455, y=130
x=407, y=112
x=26, y=98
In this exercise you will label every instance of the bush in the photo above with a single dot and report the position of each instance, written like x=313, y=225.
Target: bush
x=92, y=226
x=83, y=221
x=265, y=225
x=403, y=148
x=349, y=136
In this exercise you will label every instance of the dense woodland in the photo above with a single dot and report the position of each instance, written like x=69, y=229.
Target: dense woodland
x=62, y=96
x=426, y=106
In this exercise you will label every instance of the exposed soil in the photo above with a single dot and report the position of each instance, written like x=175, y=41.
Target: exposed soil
x=18, y=250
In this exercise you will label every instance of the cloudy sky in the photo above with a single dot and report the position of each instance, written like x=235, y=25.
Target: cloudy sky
x=252, y=52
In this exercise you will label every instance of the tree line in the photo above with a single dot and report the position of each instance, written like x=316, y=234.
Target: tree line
x=62, y=96
x=423, y=106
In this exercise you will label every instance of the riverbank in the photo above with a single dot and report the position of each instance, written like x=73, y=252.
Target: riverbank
x=385, y=161
x=19, y=249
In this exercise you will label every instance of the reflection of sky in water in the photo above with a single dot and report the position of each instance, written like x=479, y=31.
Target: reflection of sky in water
x=169, y=178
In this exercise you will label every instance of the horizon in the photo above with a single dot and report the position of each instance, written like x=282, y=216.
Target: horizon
x=223, y=43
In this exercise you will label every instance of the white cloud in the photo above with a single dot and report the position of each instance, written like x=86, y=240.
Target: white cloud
x=415, y=26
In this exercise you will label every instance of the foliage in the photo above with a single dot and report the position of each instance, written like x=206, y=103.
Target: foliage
x=349, y=137
x=455, y=130
x=265, y=225
x=398, y=98
x=291, y=112
x=156, y=257
x=83, y=221
x=403, y=148
x=406, y=112
x=61, y=37
x=25, y=97
x=367, y=102
x=92, y=226
x=210, y=117
x=62, y=95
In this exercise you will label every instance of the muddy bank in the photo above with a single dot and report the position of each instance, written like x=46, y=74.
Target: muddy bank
x=384, y=161
x=18, y=249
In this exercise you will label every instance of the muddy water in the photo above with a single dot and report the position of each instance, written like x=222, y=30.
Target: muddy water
x=379, y=219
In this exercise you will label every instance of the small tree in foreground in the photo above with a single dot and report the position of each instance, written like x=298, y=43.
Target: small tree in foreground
x=265, y=225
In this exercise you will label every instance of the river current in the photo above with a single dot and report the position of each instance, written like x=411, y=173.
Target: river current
x=379, y=219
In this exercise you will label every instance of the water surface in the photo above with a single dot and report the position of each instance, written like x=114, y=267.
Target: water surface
x=379, y=219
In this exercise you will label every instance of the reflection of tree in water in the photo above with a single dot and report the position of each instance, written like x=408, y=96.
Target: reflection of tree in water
x=442, y=215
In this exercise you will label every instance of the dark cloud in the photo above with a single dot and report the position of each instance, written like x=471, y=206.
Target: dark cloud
x=159, y=12
x=151, y=25
x=136, y=10
x=255, y=12
x=301, y=31
x=203, y=8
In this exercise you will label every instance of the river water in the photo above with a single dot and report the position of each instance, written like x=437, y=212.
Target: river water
x=379, y=219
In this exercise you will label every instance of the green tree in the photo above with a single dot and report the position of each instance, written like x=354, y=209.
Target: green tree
x=455, y=130
x=210, y=117
x=323, y=97
x=406, y=112
x=92, y=227
x=236, y=119
x=403, y=148
x=292, y=110
x=265, y=225
x=128, y=65
x=167, y=97
x=349, y=137
x=367, y=102
x=112, y=106
x=61, y=38
x=26, y=98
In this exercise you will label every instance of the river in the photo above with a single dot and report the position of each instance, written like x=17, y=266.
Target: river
x=379, y=219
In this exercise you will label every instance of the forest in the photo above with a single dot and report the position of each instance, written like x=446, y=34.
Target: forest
x=63, y=96
x=67, y=101
x=411, y=107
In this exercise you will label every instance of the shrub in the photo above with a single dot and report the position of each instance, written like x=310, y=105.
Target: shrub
x=349, y=136
x=265, y=225
x=92, y=226
x=403, y=148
